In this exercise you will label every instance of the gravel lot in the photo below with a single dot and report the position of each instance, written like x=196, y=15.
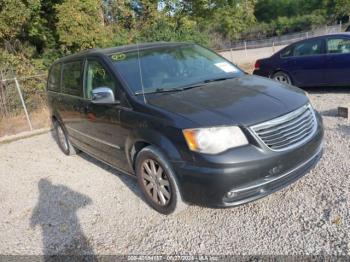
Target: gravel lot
x=51, y=203
x=251, y=55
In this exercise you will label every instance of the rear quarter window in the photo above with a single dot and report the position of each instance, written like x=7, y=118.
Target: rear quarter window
x=338, y=46
x=72, y=78
x=287, y=53
x=54, y=80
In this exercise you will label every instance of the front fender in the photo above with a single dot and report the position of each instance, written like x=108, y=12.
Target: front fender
x=150, y=137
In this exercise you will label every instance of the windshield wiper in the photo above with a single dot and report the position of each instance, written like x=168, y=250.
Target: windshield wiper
x=158, y=90
x=181, y=88
x=217, y=79
x=168, y=90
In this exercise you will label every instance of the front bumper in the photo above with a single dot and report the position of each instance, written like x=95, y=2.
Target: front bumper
x=249, y=173
x=265, y=187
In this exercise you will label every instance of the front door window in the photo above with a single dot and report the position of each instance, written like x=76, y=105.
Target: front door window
x=308, y=48
x=97, y=76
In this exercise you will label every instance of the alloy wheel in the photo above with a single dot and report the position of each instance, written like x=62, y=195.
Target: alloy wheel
x=156, y=182
x=283, y=78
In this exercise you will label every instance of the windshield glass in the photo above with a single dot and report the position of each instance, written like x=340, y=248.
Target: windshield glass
x=172, y=67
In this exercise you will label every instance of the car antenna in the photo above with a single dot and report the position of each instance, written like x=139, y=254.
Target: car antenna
x=140, y=71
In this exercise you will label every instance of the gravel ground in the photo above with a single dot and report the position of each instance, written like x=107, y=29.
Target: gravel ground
x=51, y=203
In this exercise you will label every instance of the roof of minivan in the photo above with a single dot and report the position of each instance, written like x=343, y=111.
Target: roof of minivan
x=125, y=48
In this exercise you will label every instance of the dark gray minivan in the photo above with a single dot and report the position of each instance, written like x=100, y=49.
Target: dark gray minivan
x=188, y=124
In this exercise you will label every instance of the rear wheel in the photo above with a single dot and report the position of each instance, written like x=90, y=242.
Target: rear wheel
x=158, y=182
x=62, y=140
x=282, y=77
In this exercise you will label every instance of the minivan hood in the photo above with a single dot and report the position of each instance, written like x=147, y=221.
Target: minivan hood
x=245, y=100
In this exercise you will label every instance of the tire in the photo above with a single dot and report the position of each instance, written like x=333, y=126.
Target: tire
x=282, y=77
x=158, y=182
x=62, y=140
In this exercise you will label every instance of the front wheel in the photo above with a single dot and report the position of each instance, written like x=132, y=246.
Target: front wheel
x=158, y=182
x=282, y=77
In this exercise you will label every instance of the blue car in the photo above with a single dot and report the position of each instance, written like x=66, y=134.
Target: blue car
x=318, y=61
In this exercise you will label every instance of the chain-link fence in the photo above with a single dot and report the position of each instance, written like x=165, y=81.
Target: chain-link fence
x=23, y=105
x=281, y=40
x=245, y=53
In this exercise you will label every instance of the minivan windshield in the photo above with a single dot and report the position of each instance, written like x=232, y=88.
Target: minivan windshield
x=170, y=68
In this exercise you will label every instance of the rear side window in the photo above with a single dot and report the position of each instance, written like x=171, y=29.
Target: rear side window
x=287, y=53
x=54, y=78
x=312, y=47
x=71, y=78
x=338, y=46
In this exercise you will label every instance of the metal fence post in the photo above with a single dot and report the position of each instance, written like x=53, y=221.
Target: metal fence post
x=231, y=54
x=273, y=47
x=245, y=48
x=307, y=35
x=340, y=26
x=23, y=104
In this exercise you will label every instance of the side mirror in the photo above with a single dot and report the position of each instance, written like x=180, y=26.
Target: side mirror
x=103, y=95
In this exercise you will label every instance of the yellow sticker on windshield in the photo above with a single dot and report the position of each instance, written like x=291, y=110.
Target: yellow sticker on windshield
x=118, y=56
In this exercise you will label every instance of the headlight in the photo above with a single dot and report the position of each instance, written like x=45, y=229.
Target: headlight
x=214, y=140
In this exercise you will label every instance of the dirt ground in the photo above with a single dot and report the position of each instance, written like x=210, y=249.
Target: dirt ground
x=17, y=124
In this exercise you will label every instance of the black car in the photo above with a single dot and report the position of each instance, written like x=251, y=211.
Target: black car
x=317, y=61
x=190, y=125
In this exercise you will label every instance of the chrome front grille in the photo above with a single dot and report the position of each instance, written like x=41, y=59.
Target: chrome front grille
x=287, y=131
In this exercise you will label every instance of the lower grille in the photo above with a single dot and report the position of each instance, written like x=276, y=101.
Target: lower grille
x=288, y=131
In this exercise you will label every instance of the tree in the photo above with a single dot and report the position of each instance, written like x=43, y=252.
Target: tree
x=80, y=25
x=342, y=8
x=13, y=16
x=40, y=29
x=269, y=10
x=120, y=13
x=234, y=18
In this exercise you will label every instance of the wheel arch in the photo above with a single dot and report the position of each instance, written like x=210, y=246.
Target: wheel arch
x=141, y=138
x=277, y=70
x=56, y=117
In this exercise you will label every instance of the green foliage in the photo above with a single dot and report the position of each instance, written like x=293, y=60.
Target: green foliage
x=173, y=29
x=20, y=65
x=284, y=25
x=284, y=16
x=341, y=8
x=232, y=20
x=270, y=10
x=13, y=14
x=80, y=25
x=38, y=30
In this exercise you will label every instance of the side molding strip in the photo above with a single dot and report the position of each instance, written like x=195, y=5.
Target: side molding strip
x=94, y=138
